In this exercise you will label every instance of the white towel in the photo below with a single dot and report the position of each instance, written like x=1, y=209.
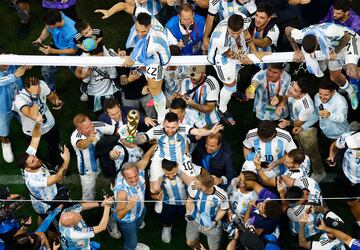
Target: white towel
x=312, y=65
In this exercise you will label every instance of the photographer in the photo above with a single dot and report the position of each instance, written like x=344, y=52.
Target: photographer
x=43, y=187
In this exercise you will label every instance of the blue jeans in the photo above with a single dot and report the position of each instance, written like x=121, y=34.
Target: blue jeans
x=48, y=74
x=129, y=232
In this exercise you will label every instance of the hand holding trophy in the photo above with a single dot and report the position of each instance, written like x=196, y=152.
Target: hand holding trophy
x=133, y=118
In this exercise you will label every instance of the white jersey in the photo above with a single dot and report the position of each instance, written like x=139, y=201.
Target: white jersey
x=207, y=204
x=172, y=80
x=303, y=109
x=170, y=147
x=153, y=49
x=325, y=243
x=23, y=99
x=86, y=160
x=296, y=212
x=152, y=6
x=267, y=90
x=78, y=236
x=208, y=92
x=221, y=41
x=239, y=201
x=272, y=150
x=303, y=171
x=228, y=8
x=351, y=161
x=191, y=118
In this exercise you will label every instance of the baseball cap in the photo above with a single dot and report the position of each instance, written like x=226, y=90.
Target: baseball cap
x=353, y=141
x=195, y=72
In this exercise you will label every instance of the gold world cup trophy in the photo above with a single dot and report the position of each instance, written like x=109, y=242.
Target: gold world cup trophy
x=133, y=118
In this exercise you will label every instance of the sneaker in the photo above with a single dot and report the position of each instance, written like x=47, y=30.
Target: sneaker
x=239, y=96
x=226, y=117
x=23, y=30
x=142, y=225
x=113, y=229
x=353, y=98
x=158, y=207
x=166, y=234
x=318, y=177
x=7, y=152
x=84, y=97
x=142, y=246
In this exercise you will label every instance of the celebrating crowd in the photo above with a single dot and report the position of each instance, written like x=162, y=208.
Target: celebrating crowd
x=160, y=129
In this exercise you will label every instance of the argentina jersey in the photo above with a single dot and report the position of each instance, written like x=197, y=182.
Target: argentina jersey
x=86, y=160
x=239, y=201
x=228, y=8
x=138, y=190
x=313, y=188
x=76, y=237
x=303, y=109
x=172, y=80
x=303, y=170
x=208, y=204
x=267, y=90
x=272, y=150
x=351, y=161
x=152, y=6
x=208, y=92
x=174, y=191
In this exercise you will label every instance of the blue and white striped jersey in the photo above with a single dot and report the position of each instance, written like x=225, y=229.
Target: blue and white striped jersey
x=152, y=6
x=170, y=147
x=175, y=191
x=325, y=243
x=295, y=212
x=351, y=161
x=208, y=204
x=86, y=161
x=77, y=237
x=221, y=41
x=207, y=93
x=172, y=80
x=336, y=124
x=267, y=90
x=134, y=155
x=139, y=190
x=239, y=201
x=272, y=150
x=303, y=109
x=10, y=86
x=228, y=8
x=151, y=49
x=303, y=171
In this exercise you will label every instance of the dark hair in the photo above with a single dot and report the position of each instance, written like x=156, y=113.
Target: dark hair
x=250, y=176
x=168, y=165
x=178, y=103
x=272, y=210
x=266, y=129
x=235, y=22
x=171, y=117
x=31, y=81
x=297, y=155
x=344, y=5
x=99, y=49
x=185, y=7
x=309, y=43
x=52, y=16
x=144, y=19
x=304, y=84
x=294, y=193
x=21, y=160
x=81, y=25
x=110, y=103
x=326, y=83
x=266, y=7
x=279, y=66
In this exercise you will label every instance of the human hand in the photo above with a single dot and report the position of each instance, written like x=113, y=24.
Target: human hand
x=39, y=119
x=114, y=154
x=20, y=71
x=274, y=100
x=180, y=44
x=133, y=76
x=121, y=52
x=298, y=56
x=128, y=62
x=150, y=121
x=189, y=101
x=244, y=59
x=47, y=50
x=58, y=104
x=133, y=200
x=279, y=109
x=283, y=123
x=106, y=13
x=66, y=154
x=304, y=218
x=324, y=113
x=217, y=127
x=205, y=44
x=297, y=130
x=108, y=201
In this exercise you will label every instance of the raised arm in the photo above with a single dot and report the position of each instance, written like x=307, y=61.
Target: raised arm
x=128, y=8
x=59, y=176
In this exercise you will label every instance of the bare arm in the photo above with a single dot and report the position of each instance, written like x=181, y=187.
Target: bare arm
x=59, y=176
x=205, y=132
x=35, y=136
x=128, y=8
x=302, y=240
x=146, y=158
x=292, y=41
x=205, y=108
x=262, y=42
x=104, y=220
x=44, y=34
x=126, y=205
x=343, y=41
x=31, y=111
x=85, y=143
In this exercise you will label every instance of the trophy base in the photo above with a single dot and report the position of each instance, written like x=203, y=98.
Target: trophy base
x=130, y=139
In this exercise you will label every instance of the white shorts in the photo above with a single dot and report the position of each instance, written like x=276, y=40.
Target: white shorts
x=228, y=73
x=348, y=55
x=88, y=182
x=154, y=71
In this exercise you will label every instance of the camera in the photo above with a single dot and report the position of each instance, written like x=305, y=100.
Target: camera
x=6, y=207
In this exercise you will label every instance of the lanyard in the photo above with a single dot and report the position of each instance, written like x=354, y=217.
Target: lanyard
x=196, y=31
x=268, y=86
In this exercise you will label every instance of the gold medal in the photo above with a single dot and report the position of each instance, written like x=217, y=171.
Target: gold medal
x=173, y=182
x=172, y=142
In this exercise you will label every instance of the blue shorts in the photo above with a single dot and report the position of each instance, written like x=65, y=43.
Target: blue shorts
x=5, y=119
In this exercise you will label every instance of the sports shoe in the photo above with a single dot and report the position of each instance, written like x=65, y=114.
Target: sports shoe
x=226, y=117
x=353, y=98
x=158, y=207
x=166, y=234
x=84, y=97
x=113, y=229
x=142, y=225
x=318, y=177
x=23, y=30
x=7, y=152
x=142, y=246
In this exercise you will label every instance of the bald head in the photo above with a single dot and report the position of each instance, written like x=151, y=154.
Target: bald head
x=69, y=219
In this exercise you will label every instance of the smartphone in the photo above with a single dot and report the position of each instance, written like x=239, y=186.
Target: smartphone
x=185, y=39
x=321, y=107
x=61, y=148
x=38, y=44
x=318, y=222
